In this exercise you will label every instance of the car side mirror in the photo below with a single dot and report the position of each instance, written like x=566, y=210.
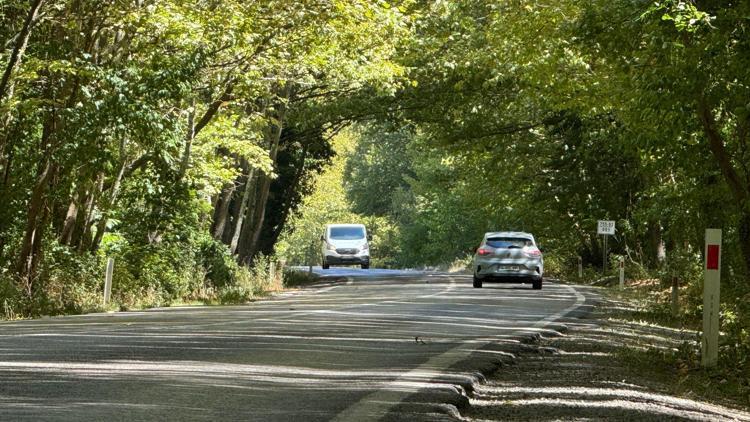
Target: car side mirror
x=323, y=238
x=541, y=249
x=369, y=237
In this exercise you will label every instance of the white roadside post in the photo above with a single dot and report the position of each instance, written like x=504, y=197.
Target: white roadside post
x=108, y=280
x=605, y=228
x=271, y=272
x=622, y=272
x=580, y=267
x=710, y=340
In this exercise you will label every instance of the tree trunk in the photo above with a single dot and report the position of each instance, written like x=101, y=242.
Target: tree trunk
x=101, y=227
x=265, y=187
x=740, y=190
x=18, y=50
x=246, y=235
x=70, y=221
x=675, y=297
x=189, y=138
x=221, y=211
x=716, y=144
x=271, y=233
x=243, y=209
x=84, y=239
x=233, y=214
x=273, y=134
x=744, y=235
x=34, y=231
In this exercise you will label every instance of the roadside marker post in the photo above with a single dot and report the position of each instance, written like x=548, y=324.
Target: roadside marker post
x=605, y=228
x=271, y=272
x=711, y=282
x=580, y=267
x=622, y=272
x=108, y=280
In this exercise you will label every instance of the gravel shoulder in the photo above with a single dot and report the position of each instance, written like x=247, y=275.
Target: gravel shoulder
x=595, y=370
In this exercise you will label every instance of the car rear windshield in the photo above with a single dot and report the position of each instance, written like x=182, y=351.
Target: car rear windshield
x=508, y=242
x=347, y=233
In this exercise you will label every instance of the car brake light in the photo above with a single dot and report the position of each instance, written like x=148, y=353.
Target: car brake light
x=484, y=252
x=532, y=252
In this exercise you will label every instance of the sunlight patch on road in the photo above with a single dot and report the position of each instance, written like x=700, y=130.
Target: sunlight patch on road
x=587, y=397
x=664, y=409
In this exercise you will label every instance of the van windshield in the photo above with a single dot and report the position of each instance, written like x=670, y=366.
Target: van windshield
x=347, y=233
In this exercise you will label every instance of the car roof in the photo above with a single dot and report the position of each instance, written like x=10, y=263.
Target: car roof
x=345, y=225
x=509, y=234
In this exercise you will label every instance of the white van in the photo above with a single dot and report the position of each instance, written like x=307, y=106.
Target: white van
x=346, y=244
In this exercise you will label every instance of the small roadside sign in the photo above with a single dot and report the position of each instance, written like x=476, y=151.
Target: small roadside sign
x=605, y=227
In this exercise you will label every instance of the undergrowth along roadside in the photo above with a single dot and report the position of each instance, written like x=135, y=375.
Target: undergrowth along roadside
x=211, y=278
x=647, y=304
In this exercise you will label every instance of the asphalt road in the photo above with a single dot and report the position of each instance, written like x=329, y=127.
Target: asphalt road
x=379, y=343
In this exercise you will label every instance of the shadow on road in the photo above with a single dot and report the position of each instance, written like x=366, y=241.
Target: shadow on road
x=308, y=355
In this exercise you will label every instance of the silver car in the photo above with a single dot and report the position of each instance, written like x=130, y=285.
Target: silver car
x=508, y=257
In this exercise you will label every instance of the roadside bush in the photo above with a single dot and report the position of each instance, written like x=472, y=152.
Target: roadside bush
x=384, y=247
x=219, y=264
x=558, y=266
x=69, y=283
x=461, y=264
x=11, y=300
x=563, y=264
x=295, y=278
x=682, y=265
x=152, y=275
x=250, y=283
x=161, y=272
x=735, y=323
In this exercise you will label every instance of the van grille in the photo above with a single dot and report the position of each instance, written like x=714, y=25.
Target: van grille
x=347, y=251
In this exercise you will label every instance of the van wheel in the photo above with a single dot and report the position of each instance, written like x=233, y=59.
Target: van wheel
x=537, y=284
x=365, y=266
x=477, y=282
x=325, y=265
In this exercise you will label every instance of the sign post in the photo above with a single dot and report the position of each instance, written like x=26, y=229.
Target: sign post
x=710, y=339
x=605, y=228
x=108, y=280
x=271, y=272
x=622, y=272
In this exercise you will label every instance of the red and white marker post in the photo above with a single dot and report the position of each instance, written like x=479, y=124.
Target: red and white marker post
x=710, y=339
x=622, y=272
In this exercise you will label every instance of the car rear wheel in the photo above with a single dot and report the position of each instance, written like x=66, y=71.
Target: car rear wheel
x=477, y=282
x=365, y=266
x=537, y=284
x=326, y=265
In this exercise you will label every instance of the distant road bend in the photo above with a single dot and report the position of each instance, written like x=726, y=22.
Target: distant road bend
x=371, y=344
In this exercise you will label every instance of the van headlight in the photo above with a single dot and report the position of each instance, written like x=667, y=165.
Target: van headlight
x=330, y=247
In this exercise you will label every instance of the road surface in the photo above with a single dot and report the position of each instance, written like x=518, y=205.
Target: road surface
x=393, y=344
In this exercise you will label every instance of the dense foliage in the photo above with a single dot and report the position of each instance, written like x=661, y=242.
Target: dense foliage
x=175, y=136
